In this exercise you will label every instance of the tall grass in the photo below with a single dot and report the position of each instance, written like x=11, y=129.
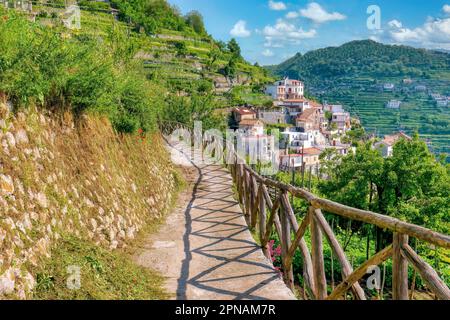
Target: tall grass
x=40, y=66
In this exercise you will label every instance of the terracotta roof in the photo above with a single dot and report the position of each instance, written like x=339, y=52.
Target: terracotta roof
x=392, y=139
x=244, y=111
x=307, y=114
x=307, y=152
x=312, y=151
x=295, y=100
x=315, y=104
x=251, y=122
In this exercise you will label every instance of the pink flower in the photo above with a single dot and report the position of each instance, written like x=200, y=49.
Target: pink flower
x=277, y=251
x=274, y=253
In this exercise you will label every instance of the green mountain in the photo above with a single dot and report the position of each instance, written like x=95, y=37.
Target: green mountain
x=355, y=74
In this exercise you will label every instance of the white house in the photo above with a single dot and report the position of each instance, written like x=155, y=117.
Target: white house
x=443, y=102
x=333, y=108
x=386, y=146
x=388, y=86
x=420, y=88
x=435, y=96
x=393, y=104
x=286, y=89
x=296, y=139
x=295, y=107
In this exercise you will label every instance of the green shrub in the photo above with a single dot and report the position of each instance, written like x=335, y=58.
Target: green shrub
x=81, y=74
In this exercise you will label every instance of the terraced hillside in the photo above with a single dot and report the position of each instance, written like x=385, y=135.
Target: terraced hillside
x=183, y=60
x=355, y=75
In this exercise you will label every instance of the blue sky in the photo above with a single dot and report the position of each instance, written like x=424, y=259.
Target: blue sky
x=270, y=31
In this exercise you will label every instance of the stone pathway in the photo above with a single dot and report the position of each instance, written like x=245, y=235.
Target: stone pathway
x=205, y=249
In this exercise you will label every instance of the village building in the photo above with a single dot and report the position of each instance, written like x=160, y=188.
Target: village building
x=388, y=86
x=435, y=96
x=443, y=102
x=309, y=158
x=333, y=108
x=393, y=104
x=341, y=148
x=274, y=116
x=309, y=120
x=286, y=89
x=294, y=139
x=251, y=127
x=420, y=88
x=294, y=107
x=386, y=146
x=407, y=81
x=240, y=114
x=342, y=121
x=257, y=148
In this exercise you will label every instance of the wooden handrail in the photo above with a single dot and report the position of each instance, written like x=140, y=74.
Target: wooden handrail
x=314, y=272
x=379, y=220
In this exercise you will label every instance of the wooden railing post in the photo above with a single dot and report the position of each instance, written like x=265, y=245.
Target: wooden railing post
x=263, y=221
x=247, y=196
x=254, y=202
x=240, y=185
x=428, y=274
x=317, y=258
x=399, y=268
x=288, y=274
x=347, y=268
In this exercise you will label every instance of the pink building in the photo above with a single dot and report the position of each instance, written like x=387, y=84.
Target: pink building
x=286, y=89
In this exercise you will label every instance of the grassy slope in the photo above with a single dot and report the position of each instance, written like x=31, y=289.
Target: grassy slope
x=351, y=75
x=160, y=60
x=105, y=275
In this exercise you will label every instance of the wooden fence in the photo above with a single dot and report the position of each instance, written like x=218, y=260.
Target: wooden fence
x=266, y=216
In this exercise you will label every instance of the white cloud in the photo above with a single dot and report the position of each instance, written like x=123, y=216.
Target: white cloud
x=284, y=32
x=395, y=24
x=268, y=53
x=288, y=30
x=240, y=30
x=446, y=8
x=317, y=14
x=292, y=15
x=271, y=43
x=434, y=33
x=277, y=6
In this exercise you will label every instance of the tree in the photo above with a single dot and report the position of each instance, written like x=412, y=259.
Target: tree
x=213, y=56
x=234, y=48
x=230, y=68
x=411, y=185
x=221, y=45
x=182, y=49
x=195, y=20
